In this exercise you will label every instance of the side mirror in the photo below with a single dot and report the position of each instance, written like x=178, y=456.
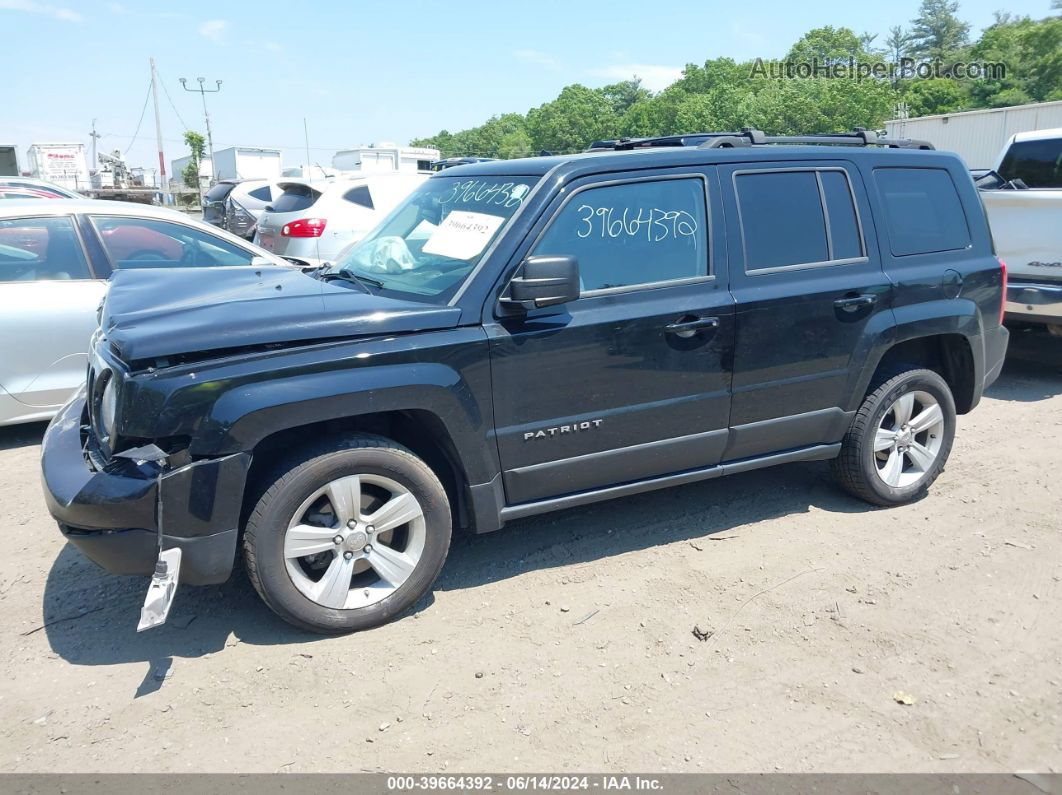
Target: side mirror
x=258, y=261
x=544, y=281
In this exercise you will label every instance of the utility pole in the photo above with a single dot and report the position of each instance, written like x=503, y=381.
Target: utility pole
x=95, y=136
x=203, y=91
x=167, y=197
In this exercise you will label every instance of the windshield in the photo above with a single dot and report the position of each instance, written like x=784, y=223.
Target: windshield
x=428, y=244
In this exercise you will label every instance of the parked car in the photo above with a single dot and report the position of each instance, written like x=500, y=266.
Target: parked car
x=55, y=259
x=1023, y=199
x=523, y=336
x=235, y=205
x=449, y=162
x=313, y=220
x=32, y=188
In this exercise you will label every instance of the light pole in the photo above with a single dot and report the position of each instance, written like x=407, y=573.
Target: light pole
x=203, y=91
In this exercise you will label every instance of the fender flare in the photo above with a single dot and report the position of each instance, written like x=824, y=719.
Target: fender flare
x=928, y=319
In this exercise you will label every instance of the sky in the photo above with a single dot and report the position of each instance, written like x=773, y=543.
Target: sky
x=367, y=72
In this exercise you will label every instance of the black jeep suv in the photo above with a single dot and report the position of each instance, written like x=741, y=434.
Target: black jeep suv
x=527, y=335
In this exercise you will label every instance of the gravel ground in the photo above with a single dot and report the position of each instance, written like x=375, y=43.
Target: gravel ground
x=566, y=642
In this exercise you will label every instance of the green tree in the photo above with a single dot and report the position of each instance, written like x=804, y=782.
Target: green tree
x=897, y=44
x=623, y=95
x=514, y=144
x=791, y=107
x=934, y=95
x=571, y=121
x=197, y=144
x=828, y=45
x=937, y=32
x=1031, y=51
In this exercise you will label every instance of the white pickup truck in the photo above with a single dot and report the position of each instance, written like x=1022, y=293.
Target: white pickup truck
x=1023, y=199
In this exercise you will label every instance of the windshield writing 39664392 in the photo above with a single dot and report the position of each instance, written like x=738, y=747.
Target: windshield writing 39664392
x=653, y=224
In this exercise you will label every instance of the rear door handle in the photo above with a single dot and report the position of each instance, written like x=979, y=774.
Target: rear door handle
x=852, y=302
x=687, y=328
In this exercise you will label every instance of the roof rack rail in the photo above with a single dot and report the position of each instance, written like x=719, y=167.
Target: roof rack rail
x=749, y=136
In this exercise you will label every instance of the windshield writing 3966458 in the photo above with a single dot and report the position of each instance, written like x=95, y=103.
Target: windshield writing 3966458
x=478, y=191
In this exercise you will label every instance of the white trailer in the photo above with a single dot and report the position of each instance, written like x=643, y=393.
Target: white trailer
x=385, y=157
x=977, y=136
x=61, y=163
x=247, y=162
x=178, y=166
x=9, y=161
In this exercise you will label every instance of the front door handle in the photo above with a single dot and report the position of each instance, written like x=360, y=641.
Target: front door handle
x=687, y=328
x=852, y=302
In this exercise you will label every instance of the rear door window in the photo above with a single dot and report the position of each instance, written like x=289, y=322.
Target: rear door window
x=923, y=213
x=295, y=198
x=41, y=249
x=635, y=233
x=1036, y=163
x=150, y=243
x=782, y=219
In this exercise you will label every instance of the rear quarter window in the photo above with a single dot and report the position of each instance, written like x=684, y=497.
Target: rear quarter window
x=360, y=196
x=923, y=213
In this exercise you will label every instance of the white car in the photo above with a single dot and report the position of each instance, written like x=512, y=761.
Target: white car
x=1023, y=199
x=55, y=259
x=314, y=220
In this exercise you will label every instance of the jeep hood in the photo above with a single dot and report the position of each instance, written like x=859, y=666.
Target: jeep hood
x=158, y=312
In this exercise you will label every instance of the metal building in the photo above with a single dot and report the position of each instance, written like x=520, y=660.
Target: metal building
x=978, y=135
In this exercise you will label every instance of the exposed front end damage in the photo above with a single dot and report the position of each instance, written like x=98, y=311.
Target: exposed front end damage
x=121, y=513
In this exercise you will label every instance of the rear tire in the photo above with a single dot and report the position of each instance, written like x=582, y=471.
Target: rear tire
x=900, y=439
x=349, y=535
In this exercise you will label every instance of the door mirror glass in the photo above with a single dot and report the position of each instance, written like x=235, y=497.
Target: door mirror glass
x=545, y=281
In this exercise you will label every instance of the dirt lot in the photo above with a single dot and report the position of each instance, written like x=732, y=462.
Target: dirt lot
x=565, y=642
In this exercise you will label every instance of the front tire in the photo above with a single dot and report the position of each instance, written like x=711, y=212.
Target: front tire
x=899, y=440
x=349, y=535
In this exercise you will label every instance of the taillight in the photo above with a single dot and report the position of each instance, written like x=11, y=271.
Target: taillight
x=304, y=227
x=1003, y=299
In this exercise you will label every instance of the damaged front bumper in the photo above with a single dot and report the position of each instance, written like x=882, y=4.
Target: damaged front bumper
x=112, y=514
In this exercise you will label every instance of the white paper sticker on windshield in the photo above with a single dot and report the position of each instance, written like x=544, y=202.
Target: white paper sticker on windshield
x=463, y=235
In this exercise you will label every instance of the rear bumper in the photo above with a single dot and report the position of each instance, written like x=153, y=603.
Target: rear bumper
x=995, y=353
x=1035, y=302
x=112, y=516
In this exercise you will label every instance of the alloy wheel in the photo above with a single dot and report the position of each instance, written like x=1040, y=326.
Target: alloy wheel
x=354, y=541
x=908, y=439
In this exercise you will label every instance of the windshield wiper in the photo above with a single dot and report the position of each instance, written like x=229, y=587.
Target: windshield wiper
x=365, y=282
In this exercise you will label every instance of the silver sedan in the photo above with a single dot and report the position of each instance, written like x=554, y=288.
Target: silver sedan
x=55, y=259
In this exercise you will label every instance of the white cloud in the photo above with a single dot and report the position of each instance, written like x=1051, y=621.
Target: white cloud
x=31, y=7
x=537, y=58
x=116, y=8
x=655, y=77
x=272, y=46
x=214, y=29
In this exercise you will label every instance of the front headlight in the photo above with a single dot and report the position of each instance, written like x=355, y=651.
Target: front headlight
x=108, y=408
